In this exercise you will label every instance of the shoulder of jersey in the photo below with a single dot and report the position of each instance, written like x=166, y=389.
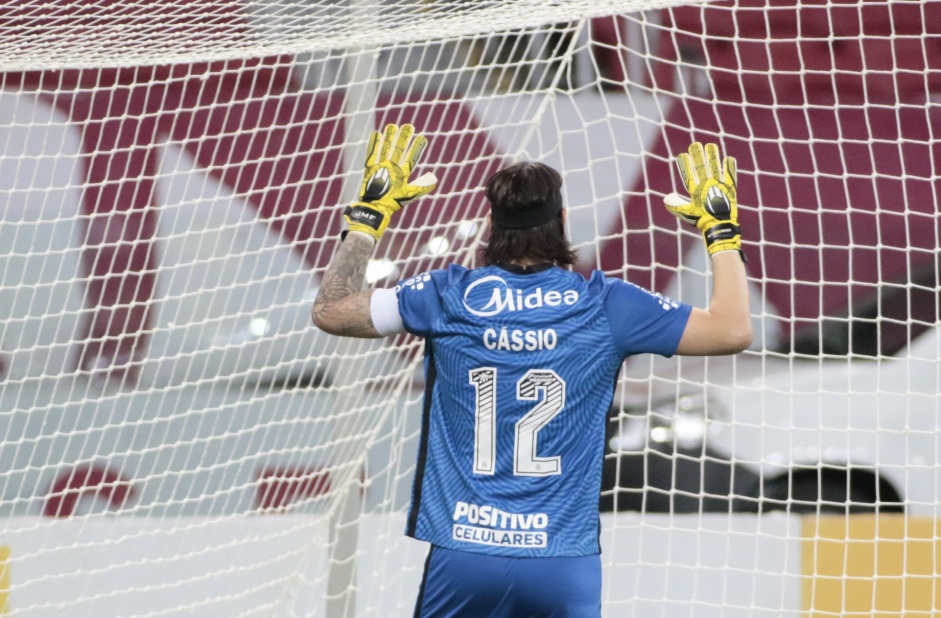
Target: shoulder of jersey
x=424, y=281
x=633, y=290
x=597, y=282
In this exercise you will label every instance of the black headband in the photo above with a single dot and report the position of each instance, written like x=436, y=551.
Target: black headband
x=525, y=219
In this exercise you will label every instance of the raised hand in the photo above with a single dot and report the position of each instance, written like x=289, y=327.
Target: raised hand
x=391, y=157
x=712, y=206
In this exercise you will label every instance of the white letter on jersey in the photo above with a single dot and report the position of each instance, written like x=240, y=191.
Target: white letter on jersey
x=518, y=340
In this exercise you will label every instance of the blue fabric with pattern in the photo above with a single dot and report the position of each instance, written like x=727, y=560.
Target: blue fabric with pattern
x=520, y=375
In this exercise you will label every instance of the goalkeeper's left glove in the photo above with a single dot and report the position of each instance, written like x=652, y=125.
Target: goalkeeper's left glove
x=390, y=159
x=713, y=207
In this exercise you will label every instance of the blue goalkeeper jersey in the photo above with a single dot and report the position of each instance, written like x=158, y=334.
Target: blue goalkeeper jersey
x=520, y=374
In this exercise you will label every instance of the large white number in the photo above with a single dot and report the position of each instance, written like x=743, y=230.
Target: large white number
x=552, y=388
x=542, y=385
x=485, y=416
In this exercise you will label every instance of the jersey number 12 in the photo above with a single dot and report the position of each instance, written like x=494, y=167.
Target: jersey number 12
x=541, y=385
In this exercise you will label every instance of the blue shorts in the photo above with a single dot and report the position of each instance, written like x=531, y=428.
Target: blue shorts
x=459, y=584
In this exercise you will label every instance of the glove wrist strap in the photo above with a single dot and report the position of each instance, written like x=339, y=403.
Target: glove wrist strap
x=725, y=236
x=721, y=232
x=362, y=213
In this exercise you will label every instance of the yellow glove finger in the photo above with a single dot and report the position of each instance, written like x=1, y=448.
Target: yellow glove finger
x=427, y=182
x=699, y=162
x=414, y=154
x=372, y=150
x=423, y=185
x=682, y=208
x=712, y=158
x=397, y=156
x=730, y=170
x=686, y=172
x=388, y=137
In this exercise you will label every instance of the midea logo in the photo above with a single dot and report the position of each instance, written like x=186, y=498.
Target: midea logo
x=491, y=295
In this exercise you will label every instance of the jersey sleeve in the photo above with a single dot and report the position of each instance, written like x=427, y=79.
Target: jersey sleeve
x=384, y=311
x=420, y=304
x=643, y=321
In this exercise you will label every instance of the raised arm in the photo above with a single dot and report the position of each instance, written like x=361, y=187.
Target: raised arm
x=342, y=307
x=725, y=326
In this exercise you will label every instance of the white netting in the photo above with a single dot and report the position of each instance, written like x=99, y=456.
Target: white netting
x=96, y=33
x=178, y=439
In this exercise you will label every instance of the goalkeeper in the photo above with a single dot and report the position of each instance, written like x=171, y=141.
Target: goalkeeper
x=521, y=358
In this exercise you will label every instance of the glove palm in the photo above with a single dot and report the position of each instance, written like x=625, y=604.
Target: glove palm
x=390, y=159
x=713, y=205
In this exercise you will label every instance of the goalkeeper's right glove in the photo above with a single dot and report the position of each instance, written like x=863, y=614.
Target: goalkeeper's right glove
x=713, y=208
x=390, y=159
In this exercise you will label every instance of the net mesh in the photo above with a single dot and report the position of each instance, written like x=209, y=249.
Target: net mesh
x=171, y=179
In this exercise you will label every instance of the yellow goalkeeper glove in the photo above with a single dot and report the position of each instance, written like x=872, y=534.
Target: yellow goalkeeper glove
x=390, y=158
x=713, y=208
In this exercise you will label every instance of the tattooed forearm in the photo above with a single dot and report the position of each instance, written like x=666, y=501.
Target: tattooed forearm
x=341, y=307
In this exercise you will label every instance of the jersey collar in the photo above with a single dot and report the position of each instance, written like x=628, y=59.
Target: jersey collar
x=524, y=270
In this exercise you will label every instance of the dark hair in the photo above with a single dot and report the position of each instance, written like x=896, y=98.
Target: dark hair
x=519, y=188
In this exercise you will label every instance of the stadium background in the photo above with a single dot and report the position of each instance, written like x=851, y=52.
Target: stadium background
x=106, y=188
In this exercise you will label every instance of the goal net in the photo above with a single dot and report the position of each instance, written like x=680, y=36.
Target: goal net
x=178, y=439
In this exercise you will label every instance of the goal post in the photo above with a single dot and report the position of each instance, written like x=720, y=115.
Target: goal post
x=177, y=438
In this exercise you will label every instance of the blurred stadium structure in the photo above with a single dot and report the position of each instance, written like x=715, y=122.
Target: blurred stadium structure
x=171, y=177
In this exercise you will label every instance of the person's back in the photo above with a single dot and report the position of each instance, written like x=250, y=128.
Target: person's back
x=523, y=364
x=521, y=360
